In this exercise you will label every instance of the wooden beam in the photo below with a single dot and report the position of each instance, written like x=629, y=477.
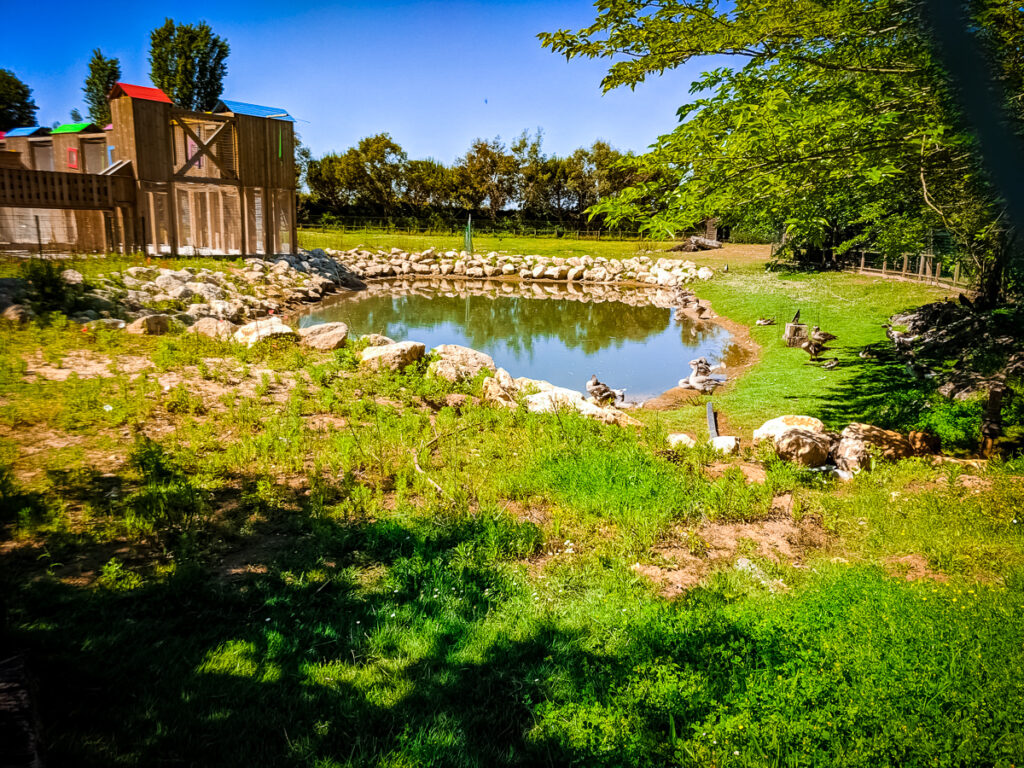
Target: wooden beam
x=202, y=148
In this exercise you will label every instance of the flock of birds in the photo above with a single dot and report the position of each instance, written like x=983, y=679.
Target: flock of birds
x=815, y=346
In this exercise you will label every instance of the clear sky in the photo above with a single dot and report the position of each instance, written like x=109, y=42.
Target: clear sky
x=435, y=75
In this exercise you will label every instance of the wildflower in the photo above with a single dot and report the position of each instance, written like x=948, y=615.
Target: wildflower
x=392, y=613
x=108, y=408
x=86, y=330
x=735, y=751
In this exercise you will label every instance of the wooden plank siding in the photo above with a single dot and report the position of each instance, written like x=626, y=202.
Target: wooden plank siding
x=20, y=188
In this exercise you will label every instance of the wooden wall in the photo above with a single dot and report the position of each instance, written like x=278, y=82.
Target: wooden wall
x=259, y=163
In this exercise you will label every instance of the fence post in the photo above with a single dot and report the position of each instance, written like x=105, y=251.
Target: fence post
x=39, y=237
x=906, y=258
x=920, y=266
x=861, y=258
x=956, y=273
x=937, y=272
x=885, y=261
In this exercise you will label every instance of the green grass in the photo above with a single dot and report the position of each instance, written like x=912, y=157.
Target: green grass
x=246, y=568
x=541, y=246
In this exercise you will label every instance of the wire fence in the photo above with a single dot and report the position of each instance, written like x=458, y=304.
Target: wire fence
x=480, y=227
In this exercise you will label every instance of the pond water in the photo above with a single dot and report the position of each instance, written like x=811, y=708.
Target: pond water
x=543, y=332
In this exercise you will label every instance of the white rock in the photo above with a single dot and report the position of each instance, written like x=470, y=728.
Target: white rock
x=726, y=445
x=775, y=428
x=393, y=356
x=214, y=328
x=458, y=362
x=681, y=439
x=254, y=332
x=324, y=337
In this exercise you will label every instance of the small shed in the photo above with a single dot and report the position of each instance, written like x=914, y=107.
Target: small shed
x=79, y=148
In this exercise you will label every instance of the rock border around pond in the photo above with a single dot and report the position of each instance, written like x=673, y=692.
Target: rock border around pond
x=640, y=270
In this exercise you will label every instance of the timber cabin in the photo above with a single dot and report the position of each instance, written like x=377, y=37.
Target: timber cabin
x=158, y=179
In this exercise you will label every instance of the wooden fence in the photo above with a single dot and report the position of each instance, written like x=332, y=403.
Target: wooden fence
x=920, y=268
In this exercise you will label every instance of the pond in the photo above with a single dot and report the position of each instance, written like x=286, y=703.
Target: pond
x=554, y=332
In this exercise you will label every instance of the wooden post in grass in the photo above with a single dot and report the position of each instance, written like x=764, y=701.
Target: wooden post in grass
x=712, y=422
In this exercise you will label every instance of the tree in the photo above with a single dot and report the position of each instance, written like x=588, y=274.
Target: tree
x=103, y=75
x=835, y=121
x=488, y=173
x=16, y=105
x=76, y=116
x=188, y=63
x=369, y=176
x=533, y=176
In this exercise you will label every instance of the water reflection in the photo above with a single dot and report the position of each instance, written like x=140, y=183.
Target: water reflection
x=630, y=338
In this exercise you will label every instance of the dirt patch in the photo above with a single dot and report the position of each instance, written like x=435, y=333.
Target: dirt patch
x=85, y=365
x=913, y=568
x=538, y=514
x=752, y=473
x=693, y=554
x=674, y=398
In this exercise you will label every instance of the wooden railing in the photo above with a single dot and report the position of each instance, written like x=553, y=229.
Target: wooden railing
x=50, y=189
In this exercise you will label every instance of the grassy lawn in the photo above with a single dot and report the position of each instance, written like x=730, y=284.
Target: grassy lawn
x=214, y=555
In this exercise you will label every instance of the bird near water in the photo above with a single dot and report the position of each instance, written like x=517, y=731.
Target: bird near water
x=765, y=321
x=602, y=393
x=829, y=365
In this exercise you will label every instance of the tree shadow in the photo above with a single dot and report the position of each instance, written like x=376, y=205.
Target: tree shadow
x=353, y=642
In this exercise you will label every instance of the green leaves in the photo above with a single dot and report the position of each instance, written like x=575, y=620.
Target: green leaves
x=188, y=63
x=830, y=112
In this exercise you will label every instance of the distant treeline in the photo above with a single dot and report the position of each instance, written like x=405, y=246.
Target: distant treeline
x=499, y=184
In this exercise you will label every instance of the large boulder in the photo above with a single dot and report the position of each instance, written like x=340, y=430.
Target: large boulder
x=393, y=356
x=268, y=328
x=150, y=325
x=858, y=442
x=72, y=277
x=455, y=362
x=325, y=336
x=804, y=446
x=775, y=428
x=214, y=328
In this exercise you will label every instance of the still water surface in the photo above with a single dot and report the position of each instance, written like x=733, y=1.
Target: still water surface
x=644, y=349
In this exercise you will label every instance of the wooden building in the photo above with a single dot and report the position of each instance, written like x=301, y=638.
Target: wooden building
x=158, y=178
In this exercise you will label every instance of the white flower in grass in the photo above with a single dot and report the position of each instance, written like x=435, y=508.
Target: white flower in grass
x=108, y=408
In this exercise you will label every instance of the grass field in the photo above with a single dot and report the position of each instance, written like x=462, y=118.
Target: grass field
x=220, y=556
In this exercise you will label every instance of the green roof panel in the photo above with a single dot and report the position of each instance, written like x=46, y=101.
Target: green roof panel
x=77, y=128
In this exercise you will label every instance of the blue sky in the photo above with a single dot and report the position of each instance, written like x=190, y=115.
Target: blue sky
x=435, y=75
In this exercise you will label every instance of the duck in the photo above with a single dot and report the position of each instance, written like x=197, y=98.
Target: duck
x=821, y=336
x=602, y=393
x=828, y=365
x=813, y=348
x=867, y=354
x=765, y=321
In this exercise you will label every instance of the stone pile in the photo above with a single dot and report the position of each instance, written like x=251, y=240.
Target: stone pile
x=642, y=270
x=587, y=293
x=232, y=294
x=804, y=440
x=543, y=397
x=938, y=332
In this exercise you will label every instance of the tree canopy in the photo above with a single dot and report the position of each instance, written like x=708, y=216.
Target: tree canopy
x=376, y=177
x=103, y=75
x=188, y=63
x=16, y=105
x=831, y=120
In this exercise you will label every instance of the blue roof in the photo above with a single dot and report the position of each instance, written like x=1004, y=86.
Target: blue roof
x=30, y=131
x=255, y=110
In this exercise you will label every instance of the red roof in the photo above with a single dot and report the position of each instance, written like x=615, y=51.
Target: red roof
x=139, y=92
